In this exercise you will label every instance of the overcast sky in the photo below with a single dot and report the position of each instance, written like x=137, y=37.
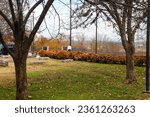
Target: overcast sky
x=63, y=10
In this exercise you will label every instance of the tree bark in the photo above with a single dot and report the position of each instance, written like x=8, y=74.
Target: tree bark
x=21, y=79
x=129, y=48
x=130, y=68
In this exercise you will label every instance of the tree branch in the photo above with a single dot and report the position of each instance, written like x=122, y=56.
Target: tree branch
x=40, y=20
x=12, y=11
x=5, y=46
x=6, y=19
x=31, y=10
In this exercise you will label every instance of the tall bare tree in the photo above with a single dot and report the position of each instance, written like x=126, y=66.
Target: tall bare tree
x=126, y=17
x=17, y=22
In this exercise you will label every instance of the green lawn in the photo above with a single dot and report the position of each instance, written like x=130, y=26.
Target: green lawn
x=79, y=80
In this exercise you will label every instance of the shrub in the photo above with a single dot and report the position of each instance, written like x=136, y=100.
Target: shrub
x=91, y=57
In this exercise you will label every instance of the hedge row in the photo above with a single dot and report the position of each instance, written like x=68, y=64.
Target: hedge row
x=91, y=57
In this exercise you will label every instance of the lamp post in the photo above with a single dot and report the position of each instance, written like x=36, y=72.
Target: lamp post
x=70, y=22
x=69, y=48
x=148, y=51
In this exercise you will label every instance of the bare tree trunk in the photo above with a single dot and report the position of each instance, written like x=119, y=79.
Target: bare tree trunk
x=130, y=68
x=21, y=79
x=129, y=48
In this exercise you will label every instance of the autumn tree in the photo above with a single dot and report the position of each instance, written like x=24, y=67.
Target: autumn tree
x=17, y=22
x=53, y=44
x=40, y=42
x=126, y=17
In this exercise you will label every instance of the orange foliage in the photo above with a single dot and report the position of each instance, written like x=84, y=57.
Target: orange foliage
x=91, y=57
x=8, y=38
x=42, y=41
x=54, y=44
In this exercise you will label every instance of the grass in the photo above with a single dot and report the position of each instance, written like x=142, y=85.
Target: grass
x=75, y=81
